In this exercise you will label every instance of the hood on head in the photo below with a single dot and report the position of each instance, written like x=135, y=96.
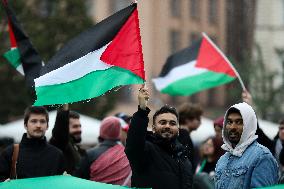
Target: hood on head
x=249, y=129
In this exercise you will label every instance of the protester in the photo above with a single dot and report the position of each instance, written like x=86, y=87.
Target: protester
x=107, y=162
x=189, y=120
x=33, y=157
x=65, y=136
x=217, y=140
x=275, y=146
x=246, y=164
x=208, y=158
x=158, y=160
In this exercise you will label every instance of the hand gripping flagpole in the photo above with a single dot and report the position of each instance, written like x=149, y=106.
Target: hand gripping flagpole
x=222, y=54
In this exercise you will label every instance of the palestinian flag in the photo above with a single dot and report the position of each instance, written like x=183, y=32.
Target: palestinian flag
x=22, y=50
x=105, y=56
x=196, y=68
x=13, y=55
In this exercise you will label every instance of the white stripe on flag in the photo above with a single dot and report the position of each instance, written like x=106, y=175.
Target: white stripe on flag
x=180, y=72
x=74, y=70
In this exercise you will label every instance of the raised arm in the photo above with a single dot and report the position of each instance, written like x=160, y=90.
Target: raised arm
x=136, y=138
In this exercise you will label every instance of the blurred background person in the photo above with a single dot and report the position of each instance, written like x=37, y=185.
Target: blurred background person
x=107, y=162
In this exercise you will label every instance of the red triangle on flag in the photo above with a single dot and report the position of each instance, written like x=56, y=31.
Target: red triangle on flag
x=210, y=58
x=125, y=50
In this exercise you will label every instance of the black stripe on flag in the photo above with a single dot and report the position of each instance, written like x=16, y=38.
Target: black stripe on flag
x=181, y=57
x=90, y=40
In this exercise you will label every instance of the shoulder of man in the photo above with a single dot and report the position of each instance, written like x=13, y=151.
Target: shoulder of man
x=53, y=149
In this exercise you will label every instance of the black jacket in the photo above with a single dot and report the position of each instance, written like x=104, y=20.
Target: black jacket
x=155, y=163
x=83, y=170
x=36, y=158
x=61, y=139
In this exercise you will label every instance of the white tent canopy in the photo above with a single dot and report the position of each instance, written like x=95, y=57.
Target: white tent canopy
x=90, y=129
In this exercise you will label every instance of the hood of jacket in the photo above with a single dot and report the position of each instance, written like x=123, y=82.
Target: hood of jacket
x=249, y=129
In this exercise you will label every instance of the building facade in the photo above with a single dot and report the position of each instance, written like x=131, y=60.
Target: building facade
x=166, y=27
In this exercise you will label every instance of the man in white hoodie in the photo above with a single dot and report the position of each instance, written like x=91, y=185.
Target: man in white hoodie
x=246, y=164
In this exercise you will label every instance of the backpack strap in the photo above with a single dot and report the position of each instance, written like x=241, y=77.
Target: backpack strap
x=13, y=172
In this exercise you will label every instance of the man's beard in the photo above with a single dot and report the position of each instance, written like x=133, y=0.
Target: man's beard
x=76, y=139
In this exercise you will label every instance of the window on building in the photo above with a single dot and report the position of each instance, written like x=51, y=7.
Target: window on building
x=213, y=11
x=194, y=8
x=175, y=40
x=212, y=97
x=175, y=7
x=116, y=5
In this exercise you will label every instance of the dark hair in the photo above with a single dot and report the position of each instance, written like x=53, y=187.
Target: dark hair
x=189, y=111
x=165, y=109
x=230, y=111
x=281, y=122
x=74, y=115
x=35, y=110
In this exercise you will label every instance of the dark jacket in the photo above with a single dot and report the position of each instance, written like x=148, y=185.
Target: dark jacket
x=36, y=158
x=83, y=170
x=185, y=140
x=62, y=140
x=154, y=162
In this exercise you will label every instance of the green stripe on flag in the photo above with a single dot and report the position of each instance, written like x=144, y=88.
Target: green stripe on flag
x=13, y=57
x=196, y=83
x=56, y=182
x=91, y=85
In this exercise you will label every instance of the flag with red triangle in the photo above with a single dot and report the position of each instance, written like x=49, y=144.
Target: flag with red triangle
x=105, y=56
x=22, y=55
x=194, y=69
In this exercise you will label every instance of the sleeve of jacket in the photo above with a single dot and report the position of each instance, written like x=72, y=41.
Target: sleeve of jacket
x=264, y=139
x=5, y=163
x=136, y=138
x=265, y=172
x=60, y=131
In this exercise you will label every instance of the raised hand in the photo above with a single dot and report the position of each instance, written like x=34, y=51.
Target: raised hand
x=143, y=97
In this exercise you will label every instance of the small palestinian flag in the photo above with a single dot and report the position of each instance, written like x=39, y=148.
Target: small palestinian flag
x=196, y=68
x=22, y=50
x=13, y=55
x=105, y=56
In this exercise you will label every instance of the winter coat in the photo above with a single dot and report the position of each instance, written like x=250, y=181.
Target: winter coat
x=249, y=164
x=155, y=163
x=92, y=155
x=36, y=158
x=62, y=140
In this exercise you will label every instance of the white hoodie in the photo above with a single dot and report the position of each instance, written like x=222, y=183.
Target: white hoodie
x=249, y=130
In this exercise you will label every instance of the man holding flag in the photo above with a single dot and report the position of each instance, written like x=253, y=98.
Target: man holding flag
x=157, y=159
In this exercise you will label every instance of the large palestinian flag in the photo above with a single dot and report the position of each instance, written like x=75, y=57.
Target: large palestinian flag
x=107, y=55
x=22, y=51
x=196, y=68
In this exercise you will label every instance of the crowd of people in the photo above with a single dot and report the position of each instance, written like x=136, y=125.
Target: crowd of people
x=130, y=153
